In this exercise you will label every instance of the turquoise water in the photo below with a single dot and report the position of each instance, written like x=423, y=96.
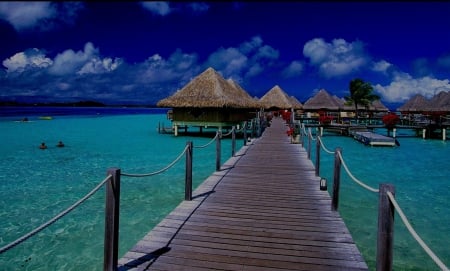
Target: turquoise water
x=419, y=169
x=35, y=185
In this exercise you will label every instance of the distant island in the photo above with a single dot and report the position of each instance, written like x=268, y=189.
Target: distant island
x=68, y=104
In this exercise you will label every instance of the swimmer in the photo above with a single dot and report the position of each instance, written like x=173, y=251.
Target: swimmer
x=43, y=146
x=60, y=144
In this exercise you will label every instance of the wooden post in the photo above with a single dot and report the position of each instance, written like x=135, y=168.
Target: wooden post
x=385, y=239
x=245, y=133
x=188, y=178
x=318, y=156
x=111, y=246
x=424, y=131
x=218, y=150
x=444, y=136
x=233, y=141
x=336, y=179
x=309, y=143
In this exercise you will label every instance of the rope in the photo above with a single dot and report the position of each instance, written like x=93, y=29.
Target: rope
x=159, y=171
x=414, y=234
x=209, y=143
x=310, y=134
x=54, y=219
x=353, y=177
x=323, y=146
x=229, y=133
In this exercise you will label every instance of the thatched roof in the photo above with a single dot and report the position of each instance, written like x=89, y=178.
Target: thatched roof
x=256, y=103
x=322, y=100
x=209, y=90
x=415, y=104
x=296, y=104
x=276, y=98
x=378, y=106
x=440, y=102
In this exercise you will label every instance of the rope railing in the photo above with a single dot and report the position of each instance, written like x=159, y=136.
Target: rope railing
x=54, y=219
x=340, y=161
x=323, y=146
x=209, y=143
x=229, y=133
x=414, y=234
x=353, y=177
x=158, y=171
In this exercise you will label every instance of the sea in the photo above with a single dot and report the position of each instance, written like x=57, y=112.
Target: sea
x=36, y=185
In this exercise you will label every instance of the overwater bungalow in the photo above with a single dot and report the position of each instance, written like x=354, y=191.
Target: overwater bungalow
x=277, y=99
x=209, y=100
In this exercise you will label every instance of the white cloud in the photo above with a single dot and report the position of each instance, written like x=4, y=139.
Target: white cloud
x=294, y=69
x=25, y=14
x=199, y=7
x=24, y=60
x=97, y=66
x=336, y=58
x=229, y=61
x=178, y=67
x=404, y=86
x=248, y=59
x=381, y=66
x=71, y=62
x=159, y=8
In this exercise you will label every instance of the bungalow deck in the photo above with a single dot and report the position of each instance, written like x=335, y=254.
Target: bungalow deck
x=373, y=139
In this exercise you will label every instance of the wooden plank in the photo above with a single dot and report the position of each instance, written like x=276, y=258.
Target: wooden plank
x=262, y=211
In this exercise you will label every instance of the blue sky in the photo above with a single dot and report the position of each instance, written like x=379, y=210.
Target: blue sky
x=141, y=52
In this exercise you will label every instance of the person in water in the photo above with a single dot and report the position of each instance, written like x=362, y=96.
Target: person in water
x=60, y=144
x=43, y=146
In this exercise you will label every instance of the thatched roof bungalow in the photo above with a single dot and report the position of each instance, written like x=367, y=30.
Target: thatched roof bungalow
x=296, y=104
x=322, y=101
x=276, y=99
x=210, y=100
x=417, y=103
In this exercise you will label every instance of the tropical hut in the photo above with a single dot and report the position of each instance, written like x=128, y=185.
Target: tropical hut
x=321, y=104
x=209, y=100
x=416, y=104
x=296, y=104
x=276, y=99
x=440, y=102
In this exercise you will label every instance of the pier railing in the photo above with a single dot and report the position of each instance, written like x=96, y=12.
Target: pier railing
x=112, y=187
x=387, y=205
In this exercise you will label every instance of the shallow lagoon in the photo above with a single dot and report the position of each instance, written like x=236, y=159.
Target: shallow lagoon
x=37, y=184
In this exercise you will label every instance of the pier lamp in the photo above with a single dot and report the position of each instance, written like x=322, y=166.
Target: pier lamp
x=323, y=184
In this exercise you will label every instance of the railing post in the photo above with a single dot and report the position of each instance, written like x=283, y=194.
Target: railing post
x=111, y=242
x=336, y=179
x=218, y=150
x=385, y=239
x=188, y=178
x=245, y=133
x=233, y=141
x=309, y=143
x=318, y=156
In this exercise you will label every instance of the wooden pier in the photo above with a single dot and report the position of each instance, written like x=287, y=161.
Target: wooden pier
x=262, y=211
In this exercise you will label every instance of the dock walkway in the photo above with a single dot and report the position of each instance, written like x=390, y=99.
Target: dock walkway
x=262, y=211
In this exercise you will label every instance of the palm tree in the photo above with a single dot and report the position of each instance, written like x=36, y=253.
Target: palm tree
x=360, y=94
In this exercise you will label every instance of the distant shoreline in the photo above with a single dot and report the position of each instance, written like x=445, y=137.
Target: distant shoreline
x=71, y=104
